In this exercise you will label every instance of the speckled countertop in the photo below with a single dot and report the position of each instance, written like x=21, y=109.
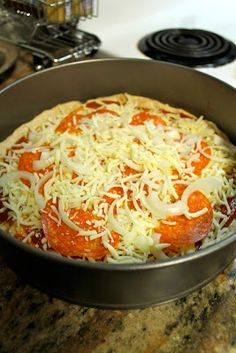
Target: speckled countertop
x=34, y=322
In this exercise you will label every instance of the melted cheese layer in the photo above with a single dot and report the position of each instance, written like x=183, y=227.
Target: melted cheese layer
x=87, y=165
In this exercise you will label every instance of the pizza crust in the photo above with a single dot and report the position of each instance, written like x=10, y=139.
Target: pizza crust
x=63, y=109
x=144, y=102
x=60, y=110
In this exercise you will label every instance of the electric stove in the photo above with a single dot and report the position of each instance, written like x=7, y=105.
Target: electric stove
x=199, y=34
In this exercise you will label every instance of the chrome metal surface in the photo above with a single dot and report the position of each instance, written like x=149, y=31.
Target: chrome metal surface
x=49, y=29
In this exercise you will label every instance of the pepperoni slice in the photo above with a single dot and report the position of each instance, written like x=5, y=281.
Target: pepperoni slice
x=67, y=241
x=140, y=118
x=26, y=164
x=118, y=190
x=203, y=161
x=70, y=122
x=102, y=111
x=179, y=189
x=110, y=102
x=18, y=144
x=188, y=231
x=129, y=171
x=23, y=139
x=26, y=161
x=184, y=114
x=137, y=140
x=93, y=105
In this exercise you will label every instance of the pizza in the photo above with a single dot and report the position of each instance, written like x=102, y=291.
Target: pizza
x=118, y=179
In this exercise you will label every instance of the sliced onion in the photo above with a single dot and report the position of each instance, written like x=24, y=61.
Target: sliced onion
x=143, y=243
x=214, y=158
x=38, y=198
x=197, y=213
x=161, y=209
x=173, y=133
x=8, y=177
x=43, y=163
x=207, y=185
x=32, y=135
x=71, y=224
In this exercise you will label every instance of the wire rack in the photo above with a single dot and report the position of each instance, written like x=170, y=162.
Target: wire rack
x=49, y=29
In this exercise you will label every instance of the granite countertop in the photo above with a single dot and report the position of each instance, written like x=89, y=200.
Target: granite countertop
x=34, y=322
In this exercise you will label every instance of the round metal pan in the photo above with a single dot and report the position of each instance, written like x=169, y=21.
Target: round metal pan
x=107, y=285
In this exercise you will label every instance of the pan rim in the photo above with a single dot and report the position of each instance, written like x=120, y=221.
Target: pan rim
x=55, y=257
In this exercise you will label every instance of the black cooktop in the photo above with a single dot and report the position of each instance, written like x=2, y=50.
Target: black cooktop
x=189, y=47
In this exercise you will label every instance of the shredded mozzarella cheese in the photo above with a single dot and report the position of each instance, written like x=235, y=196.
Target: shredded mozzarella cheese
x=88, y=164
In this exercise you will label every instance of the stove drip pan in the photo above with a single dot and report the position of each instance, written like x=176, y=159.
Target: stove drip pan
x=189, y=47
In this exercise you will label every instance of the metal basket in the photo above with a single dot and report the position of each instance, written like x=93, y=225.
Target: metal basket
x=49, y=29
x=51, y=12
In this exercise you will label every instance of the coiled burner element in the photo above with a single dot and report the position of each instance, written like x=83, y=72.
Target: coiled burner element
x=189, y=47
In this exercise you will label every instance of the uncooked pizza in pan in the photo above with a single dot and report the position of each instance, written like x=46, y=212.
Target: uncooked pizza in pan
x=118, y=179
